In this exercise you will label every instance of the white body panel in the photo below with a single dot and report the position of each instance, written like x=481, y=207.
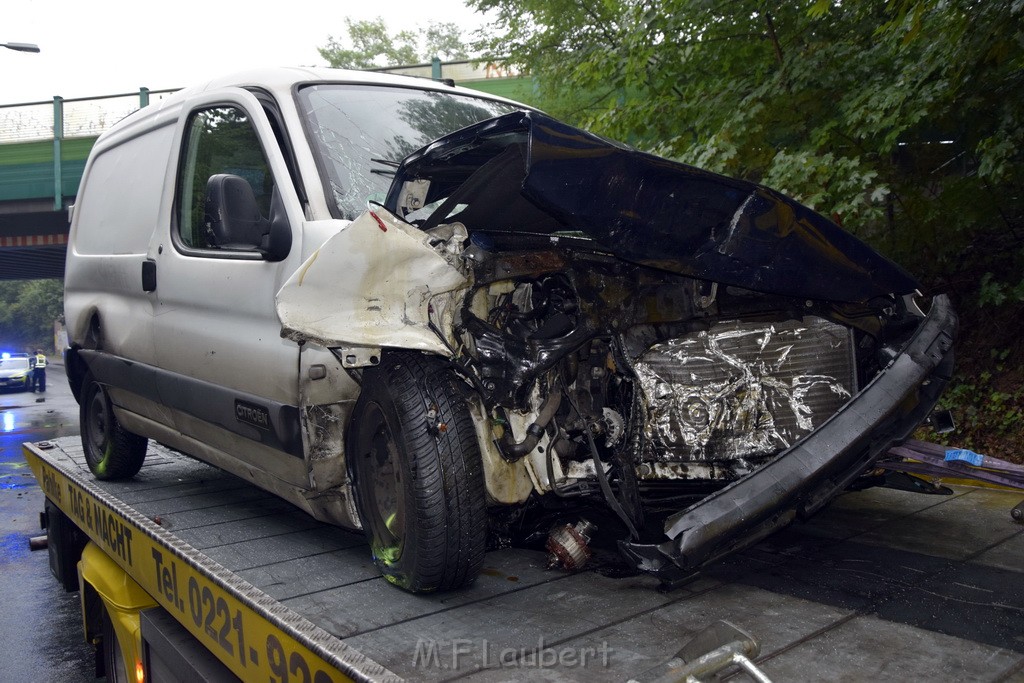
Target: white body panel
x=221, y=328
x=373, y=273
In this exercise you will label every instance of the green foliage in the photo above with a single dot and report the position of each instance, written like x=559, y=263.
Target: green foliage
x=900, y=119
x=995, y=293
x=989, y=406
x=28, y=309
x=370, y=44
x=443, y=40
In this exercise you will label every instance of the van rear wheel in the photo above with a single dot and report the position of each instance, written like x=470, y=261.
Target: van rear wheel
x=418, y=475
x=111, y=451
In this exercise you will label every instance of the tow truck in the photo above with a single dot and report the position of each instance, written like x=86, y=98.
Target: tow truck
x=188, y=573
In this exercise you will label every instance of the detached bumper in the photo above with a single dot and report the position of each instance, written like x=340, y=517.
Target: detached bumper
x=804, y=478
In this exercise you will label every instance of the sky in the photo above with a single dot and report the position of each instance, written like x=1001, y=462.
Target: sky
x=106, y=47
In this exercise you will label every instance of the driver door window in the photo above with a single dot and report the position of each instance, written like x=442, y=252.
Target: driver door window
x=221, y=151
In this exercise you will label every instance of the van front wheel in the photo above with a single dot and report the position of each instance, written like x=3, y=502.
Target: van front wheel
x=111, y=450
x=418, y=475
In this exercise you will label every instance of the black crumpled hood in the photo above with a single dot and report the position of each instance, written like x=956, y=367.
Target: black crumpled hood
x=526, y=172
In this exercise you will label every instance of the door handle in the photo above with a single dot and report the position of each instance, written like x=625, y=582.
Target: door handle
x=149, y=275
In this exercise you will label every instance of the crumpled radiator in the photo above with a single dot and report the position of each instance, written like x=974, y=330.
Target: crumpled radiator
x=739, y=390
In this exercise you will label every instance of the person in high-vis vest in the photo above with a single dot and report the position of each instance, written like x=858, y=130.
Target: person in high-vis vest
x=39, y=372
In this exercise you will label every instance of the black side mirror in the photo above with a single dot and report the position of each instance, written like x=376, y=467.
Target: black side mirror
x=278, y=241
x=233, y=219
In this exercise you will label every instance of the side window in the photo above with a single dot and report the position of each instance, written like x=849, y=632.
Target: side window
x=225, y=187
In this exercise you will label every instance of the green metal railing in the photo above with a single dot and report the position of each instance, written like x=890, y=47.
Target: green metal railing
x=44, y=145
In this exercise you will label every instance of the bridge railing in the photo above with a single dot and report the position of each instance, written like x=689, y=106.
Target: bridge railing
x=73, y=117
x=43, y=145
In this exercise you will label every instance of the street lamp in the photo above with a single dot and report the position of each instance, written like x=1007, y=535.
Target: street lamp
x=21, y=47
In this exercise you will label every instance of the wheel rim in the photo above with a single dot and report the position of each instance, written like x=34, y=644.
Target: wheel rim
x=384, y=488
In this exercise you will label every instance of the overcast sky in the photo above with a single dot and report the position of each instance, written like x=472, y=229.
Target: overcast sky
x=104, y=47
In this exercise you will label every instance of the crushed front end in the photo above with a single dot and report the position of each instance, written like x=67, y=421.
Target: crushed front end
x=645, y=336
x=615, y=383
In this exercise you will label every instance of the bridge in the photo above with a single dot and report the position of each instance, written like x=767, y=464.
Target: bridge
x=44, y=145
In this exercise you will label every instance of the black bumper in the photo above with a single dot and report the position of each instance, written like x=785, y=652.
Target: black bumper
x=804, y=478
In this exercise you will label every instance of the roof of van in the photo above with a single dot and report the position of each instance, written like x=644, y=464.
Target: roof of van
x=279, y=82
x=283, y=78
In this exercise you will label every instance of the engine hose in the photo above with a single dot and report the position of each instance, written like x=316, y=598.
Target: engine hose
x=606, y=488
x=553, y=453
x=513, y=451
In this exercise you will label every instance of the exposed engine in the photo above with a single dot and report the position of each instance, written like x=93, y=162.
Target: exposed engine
x=694, y=359
x=618, y=380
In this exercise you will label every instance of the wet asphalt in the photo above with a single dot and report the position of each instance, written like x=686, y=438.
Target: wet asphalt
x=40, y=625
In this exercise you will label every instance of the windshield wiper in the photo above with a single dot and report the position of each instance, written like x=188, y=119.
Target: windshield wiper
x=386, y=162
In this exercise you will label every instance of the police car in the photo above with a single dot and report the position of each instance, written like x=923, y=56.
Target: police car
x=15, y=371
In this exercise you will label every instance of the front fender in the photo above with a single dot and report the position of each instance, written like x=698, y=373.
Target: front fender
x=375, y=283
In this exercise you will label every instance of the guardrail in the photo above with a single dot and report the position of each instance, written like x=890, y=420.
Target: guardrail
x=72, y=117
x=26, y=128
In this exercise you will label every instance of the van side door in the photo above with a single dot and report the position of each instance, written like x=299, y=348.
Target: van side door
x=229, y=242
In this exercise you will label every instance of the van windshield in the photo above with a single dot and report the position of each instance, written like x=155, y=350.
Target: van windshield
x=361, y=132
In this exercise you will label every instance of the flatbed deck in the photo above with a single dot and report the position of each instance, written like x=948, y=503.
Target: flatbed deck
x=883, y=585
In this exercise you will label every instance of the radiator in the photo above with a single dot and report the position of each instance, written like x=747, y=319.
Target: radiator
x=739, y=391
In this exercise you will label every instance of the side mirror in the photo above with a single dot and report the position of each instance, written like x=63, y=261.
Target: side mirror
x=234, y=221
x=279, y=240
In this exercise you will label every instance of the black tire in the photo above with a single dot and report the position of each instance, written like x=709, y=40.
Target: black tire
x=111, y=450
x=113, y=656
x=418, y=475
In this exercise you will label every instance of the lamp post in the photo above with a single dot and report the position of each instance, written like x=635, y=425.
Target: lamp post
x=21, y=47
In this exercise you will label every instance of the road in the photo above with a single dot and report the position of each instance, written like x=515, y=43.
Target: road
x=40, y=624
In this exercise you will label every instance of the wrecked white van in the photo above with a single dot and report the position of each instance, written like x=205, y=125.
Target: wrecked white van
x=427, y=313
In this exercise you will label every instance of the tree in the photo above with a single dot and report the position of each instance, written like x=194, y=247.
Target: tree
x=28, y=309
x=369, y=45
x=900, y=119
x=444, y=40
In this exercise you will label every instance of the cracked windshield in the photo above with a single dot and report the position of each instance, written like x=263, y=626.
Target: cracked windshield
x=361, y=133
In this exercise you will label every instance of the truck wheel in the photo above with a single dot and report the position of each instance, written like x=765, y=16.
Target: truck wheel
x=113, y=655
x=111, y=450
x=418, y=475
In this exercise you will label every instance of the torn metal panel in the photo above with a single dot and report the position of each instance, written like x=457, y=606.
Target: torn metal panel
x=527, y=173
x=335, y=506
x=327, y=396
x=741, y=389
x=374, y=284
x=323, y=434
